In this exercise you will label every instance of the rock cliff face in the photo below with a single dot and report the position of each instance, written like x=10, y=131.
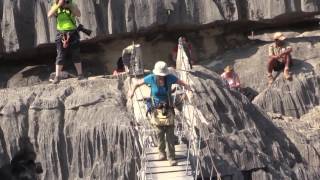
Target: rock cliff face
x=304, y=132
x=241, y=141
x=292, y=98
x=24, y=23
x=296, y=101
x=78, y=130
x=83, y=130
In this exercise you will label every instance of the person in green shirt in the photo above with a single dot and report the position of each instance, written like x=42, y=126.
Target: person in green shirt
x=68, y=38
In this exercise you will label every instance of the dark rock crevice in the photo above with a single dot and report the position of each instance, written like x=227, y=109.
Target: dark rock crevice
x=42, y=8
x=1, y=37
x=4, y=155
x=62, y=145
x=101, y=16
x=228, y=9
x=24, y=22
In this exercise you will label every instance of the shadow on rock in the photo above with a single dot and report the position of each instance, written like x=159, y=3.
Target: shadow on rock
x=301, y=66
x=23, y=165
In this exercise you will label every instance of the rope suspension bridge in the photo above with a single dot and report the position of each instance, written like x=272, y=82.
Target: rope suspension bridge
x=188, y=150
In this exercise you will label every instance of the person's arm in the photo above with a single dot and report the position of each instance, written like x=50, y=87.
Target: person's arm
x=182, y=83
x=287, y=51
x=237, y=81
x=75, y=9
x=134, y=87
x=271, y=53
x=54, y=8
x=223, y=77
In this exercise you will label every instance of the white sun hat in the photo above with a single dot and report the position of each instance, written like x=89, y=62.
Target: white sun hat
x=161, y=69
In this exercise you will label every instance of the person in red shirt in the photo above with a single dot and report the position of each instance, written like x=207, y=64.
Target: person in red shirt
x=120, y=67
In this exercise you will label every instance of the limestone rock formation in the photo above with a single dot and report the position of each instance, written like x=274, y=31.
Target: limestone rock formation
x=29, y=76
x=303, y=132
x=78, y=129
x=83, y=130
x=292, y=98
x=24, y=23
x=238, y=139
x=23, y=164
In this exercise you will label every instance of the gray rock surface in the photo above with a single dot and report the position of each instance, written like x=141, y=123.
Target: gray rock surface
x=79, y=130
x=29, y=76
x=240, y=140
x=83, y=130
x=303, y=132
x=23, y=165
x=292, y=98
x=24, y=23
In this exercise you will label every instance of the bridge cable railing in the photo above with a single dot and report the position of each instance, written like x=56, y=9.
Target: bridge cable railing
x=184, y=74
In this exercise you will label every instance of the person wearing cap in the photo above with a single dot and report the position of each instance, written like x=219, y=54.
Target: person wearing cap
x=160, y=82
x=279, y=57
x=231, y=77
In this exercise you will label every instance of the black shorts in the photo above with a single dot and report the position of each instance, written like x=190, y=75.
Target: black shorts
x=279, y=66
x=70, y=53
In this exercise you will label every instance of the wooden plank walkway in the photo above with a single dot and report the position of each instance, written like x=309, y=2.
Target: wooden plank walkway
x=162, y=170
x=155, y=169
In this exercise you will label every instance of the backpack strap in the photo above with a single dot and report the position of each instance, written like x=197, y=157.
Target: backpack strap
x=168, y=90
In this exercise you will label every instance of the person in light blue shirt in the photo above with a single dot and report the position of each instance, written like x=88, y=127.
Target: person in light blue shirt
x=160, y=93
x=162, y=116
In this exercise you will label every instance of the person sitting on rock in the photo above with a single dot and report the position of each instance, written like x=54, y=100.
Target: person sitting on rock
x=68, y=38
x=279, y=57
x=233, y=82
x=231, y=77
x=162, y=116
x=120, y=67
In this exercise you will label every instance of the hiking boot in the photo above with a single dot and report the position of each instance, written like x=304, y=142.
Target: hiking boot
x=80, y=77
x=287, y=74
x=56, y=80
x=172, y=162
x=162, y=157
x=270, y=79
